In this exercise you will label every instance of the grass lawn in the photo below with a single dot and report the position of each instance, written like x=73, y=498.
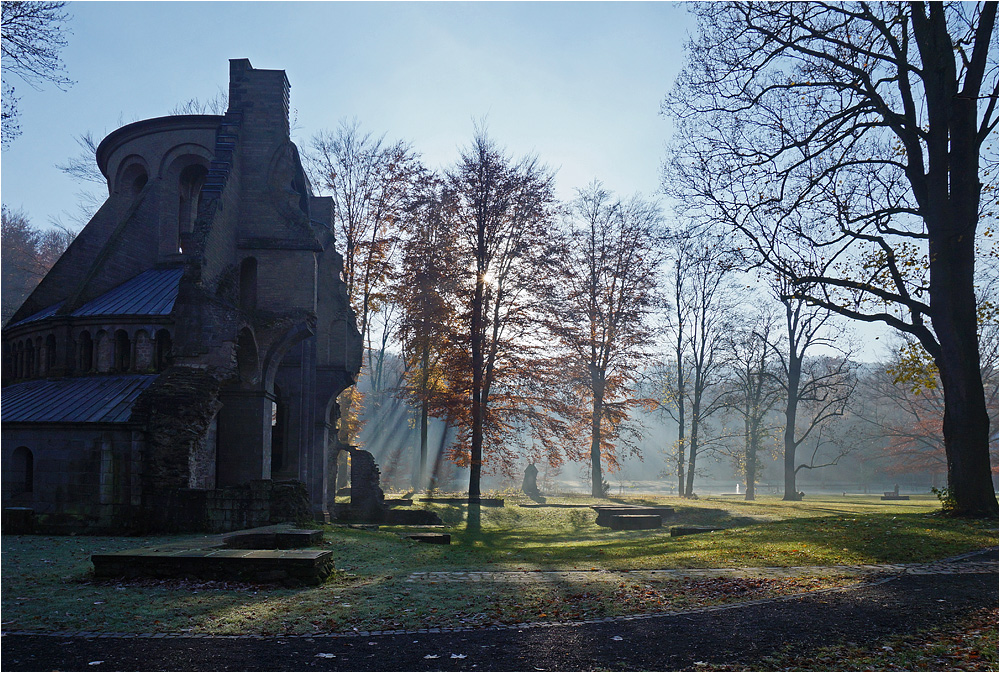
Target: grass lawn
x=48, y=582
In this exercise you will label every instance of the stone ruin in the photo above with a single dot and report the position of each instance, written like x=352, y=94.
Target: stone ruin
x=178, y=368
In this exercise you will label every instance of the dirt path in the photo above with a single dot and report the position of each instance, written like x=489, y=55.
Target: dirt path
x=898, y=603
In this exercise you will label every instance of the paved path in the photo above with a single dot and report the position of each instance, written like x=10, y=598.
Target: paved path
x=950, y=566
x=896, y=601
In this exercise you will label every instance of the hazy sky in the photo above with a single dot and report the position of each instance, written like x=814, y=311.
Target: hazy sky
x=579, y=84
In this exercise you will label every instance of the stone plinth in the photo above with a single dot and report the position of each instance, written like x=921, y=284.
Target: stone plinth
x=635, y=521
x=606, y=512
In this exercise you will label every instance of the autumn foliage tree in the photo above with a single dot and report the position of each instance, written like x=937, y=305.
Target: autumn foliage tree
x=844, y=144
x=28, y=253
x=505, y=211
x=608, y=287
x=429, y=295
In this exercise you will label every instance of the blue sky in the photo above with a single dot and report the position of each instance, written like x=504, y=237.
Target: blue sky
x=579, y=84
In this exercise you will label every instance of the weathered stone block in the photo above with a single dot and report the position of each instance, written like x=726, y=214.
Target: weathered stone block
x=635, y=521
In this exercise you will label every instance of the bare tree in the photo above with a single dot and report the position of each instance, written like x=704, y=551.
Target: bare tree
x=845, y=142
x=670, y=379
x=708, y=283
x=32, y=35
x=370, y=180
x=753, y=387
x=608, y=288
x=817, y=389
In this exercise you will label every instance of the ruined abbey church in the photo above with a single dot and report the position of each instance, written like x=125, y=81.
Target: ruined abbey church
x=179, y=366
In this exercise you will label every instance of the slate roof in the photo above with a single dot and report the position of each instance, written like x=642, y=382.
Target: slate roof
x=152, y=292
x=88, y=399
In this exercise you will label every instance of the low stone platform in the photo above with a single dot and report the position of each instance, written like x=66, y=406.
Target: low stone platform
x=429, y=538
x=893, y=496
x=485, y=502
x=676, y=531
x=273, y=539
x=636, y=521
x=212, y=558
x=605, y=512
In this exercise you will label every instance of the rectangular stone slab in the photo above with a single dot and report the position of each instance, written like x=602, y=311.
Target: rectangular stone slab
x=635, y=521
x=300, y=566
x=605, y=512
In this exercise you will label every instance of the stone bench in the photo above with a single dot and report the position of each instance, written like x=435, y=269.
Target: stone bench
x=605, y=512
x=635, y=521
x=676, y=531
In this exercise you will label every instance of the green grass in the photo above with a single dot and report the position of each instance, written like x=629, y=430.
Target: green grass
x=48, y=583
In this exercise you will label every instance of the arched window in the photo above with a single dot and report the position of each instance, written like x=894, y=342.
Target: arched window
x=132, y=179
x=189, y=189
x=84, y=352
x=248, y=285
x=29, y=358
x=23, y=469
x=123, y=351
x=104, y=352
x=163, y=348
x=50, y=353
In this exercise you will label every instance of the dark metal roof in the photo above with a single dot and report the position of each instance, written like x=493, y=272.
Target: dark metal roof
x=44, y=313
x=89, y=399
x=152, y=292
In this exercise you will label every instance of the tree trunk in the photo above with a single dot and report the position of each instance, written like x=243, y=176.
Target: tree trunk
x=596, y=478
x=791, y=413
x=680, y=423
x=476, y=458
x=966, y=421
x=425, y=363
x=949, y=195
x=692, y=447
x=751, y=461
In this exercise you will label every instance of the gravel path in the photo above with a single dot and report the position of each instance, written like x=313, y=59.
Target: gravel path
x=898, y=601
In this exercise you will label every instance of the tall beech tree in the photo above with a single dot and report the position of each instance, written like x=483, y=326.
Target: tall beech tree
x=845, y=142
x=607, y=291
x=429, y=295
x=506, y=212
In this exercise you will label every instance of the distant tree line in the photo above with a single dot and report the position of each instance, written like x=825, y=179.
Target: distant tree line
x=829, y=164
